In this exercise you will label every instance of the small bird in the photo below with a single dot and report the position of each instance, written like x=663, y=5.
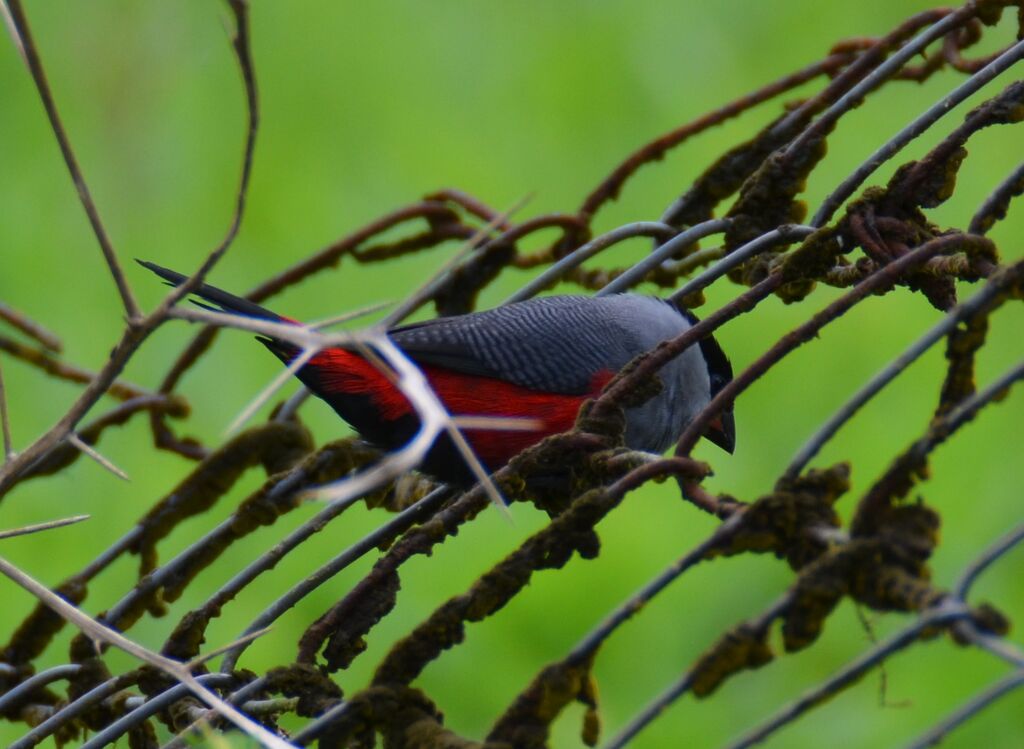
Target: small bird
x=539, y=360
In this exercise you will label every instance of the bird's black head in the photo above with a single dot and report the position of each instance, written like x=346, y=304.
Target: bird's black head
x=722, y=430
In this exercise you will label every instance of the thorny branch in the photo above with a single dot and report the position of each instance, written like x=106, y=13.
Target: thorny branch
x=139, y=327
x=26, y=44
x=31, y=328
x=883, y=240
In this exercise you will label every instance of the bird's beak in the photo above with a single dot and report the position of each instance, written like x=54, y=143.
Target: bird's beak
x=722, y=431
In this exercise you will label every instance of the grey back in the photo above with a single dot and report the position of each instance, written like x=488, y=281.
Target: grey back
x=557, y=344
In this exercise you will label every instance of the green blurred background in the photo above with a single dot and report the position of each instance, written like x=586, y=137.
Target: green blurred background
x=365, y=107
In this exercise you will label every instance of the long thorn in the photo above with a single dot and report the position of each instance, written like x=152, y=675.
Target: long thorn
x=38, y=527
x=88, y=450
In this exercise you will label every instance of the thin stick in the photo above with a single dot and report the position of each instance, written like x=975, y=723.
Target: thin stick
x=241, y=641
x=428, y=289
x=480, y=473
x=267, y=393
x=889, y=149
x=328, y=322
x=30, y=327
x=13, y=31
x=38, y=527
x=577, y=257
x=682, y=240
x=875, y=385
x=968, y=710
x=89, y=451
x=943, y=614
x=783, y=235
x=498, y=423
x=35, y=66
x=5, y=420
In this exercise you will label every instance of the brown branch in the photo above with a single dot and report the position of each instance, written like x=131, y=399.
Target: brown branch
x=911, y=465
x=880, y=281
x=655, y=150
x=122, y=352
x=471, y=205
x=64, y=454
x=5, y=420
x=31, y=328
x=35, y=65
x=887, y=224
x=64, y=371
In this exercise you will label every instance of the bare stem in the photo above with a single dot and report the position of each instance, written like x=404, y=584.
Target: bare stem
x=35, y=66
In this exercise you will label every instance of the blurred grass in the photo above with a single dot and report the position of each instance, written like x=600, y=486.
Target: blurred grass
x=365, y=107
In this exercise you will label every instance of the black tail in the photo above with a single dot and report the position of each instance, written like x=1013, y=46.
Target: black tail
x=223, y=300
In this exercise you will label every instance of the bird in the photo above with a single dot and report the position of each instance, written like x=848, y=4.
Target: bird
x=538, y=359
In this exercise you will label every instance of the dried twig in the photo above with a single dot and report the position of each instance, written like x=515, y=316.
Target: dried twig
x=669, y=249
x=27, y=529
x=139, y=328
x=28, y=48
x=63, y=370
x=885, y=152
x=100, y=633
x=968, y=710
x=80, y=444
x=416, y=513
x=943, y=615
x=30, y=327
x=997, y=283
x=5, y=420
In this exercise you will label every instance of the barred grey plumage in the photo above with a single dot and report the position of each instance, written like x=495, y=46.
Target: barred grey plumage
x=559, y=344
